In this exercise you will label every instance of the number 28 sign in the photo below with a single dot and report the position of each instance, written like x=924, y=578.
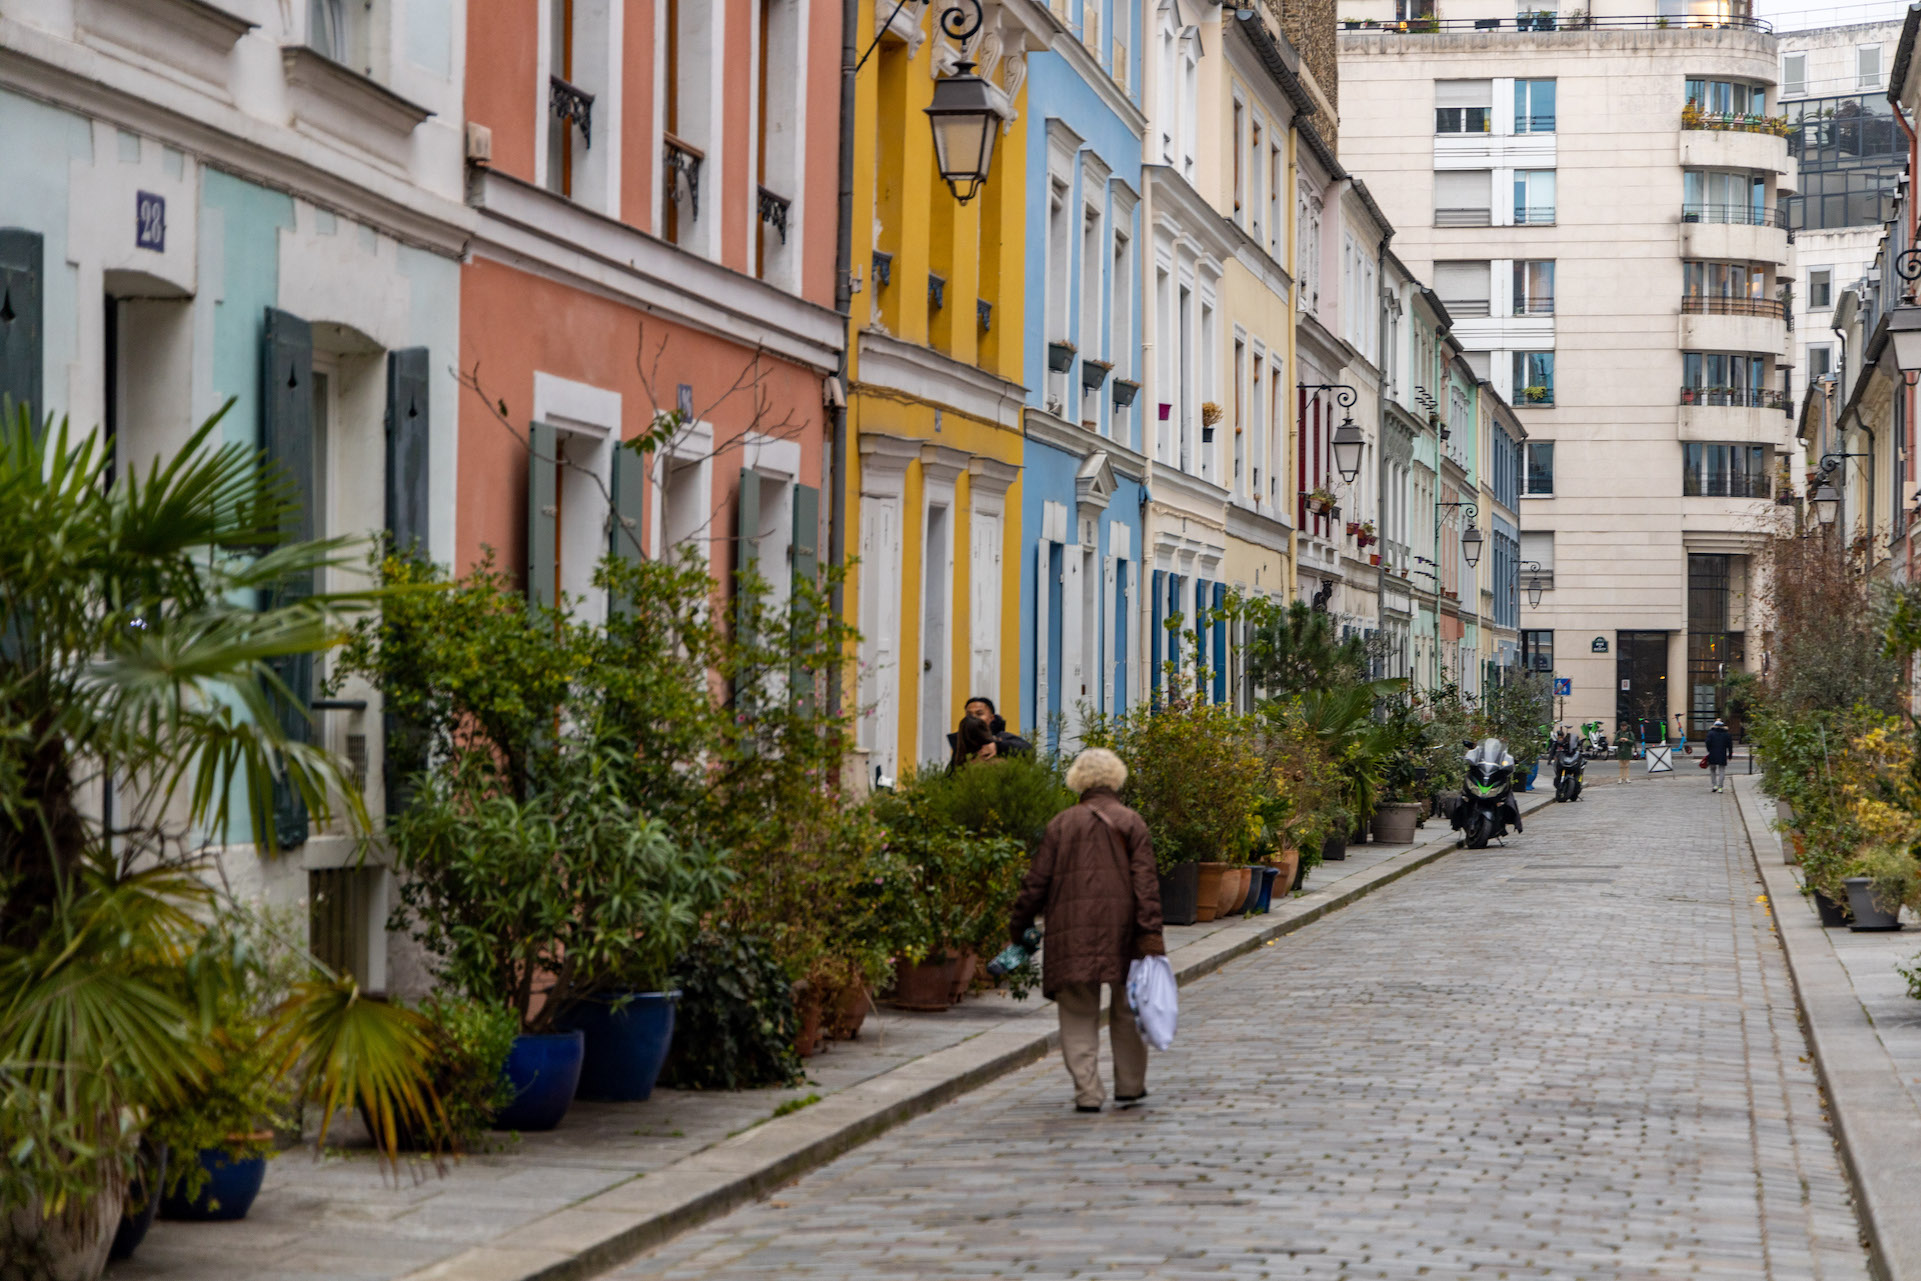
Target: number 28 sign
x=150, y=222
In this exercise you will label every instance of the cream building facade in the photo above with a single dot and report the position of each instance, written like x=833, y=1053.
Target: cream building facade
x=1620, y=279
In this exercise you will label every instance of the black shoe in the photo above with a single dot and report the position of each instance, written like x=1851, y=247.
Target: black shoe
x=1129, y=1100
x=1087, y=1107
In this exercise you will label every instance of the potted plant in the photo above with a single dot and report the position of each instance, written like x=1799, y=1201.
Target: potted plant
x=1094, y=372
x=1882, y=882
x=1210, y=417
x=1060, y=355
x=1125, y=389
x=567, y=895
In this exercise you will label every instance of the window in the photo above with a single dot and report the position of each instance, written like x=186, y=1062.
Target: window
x=1463, y=287
x=1533, y=197
x=1794, y=75
x=1254, y=181
x=1533, y=106
x=1537, y=649
x=1538, y=480
x=1726, y=379
x=1820, y=360
x=1240, y=415
x=1821, y=289
x=687, y=55
x=1463, y=197
x=1537, y=547
x=1727, y=97
x=1867, y=65
x=1533, y=378
x=1463, y=106
x=1534, y=287
x=1713, y=195
x=1276, y=166
x=1724, y=471
x=1240, y=160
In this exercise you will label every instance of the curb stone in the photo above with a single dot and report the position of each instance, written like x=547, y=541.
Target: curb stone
x=603, y=1231
x=1876, y=1125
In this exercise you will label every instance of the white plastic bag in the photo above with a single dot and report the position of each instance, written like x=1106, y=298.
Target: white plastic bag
x=1155, y=999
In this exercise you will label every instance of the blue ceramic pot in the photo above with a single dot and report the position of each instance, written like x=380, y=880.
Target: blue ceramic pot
x=627, y=1041
x=544, y=1071
x=228, y=1193
x=1532, y=770
x=1267, y=888
x=143, y=1200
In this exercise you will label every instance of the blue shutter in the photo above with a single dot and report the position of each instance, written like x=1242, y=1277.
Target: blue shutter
x=1220, y=645
x=22, y=355
x=1159, y=628
x=408, y=439
x=806, y=578
x=623, y=531
x=287, y=443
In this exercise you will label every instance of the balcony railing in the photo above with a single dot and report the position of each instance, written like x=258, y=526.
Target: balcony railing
x=1547, y=22
x=1536, y=306
x=1534, y=124
x=574, y=105
x=1464, y=217
x=1694, y=117
x=1738, y=215
x=1735, y=397
x=1533, y=216
x=773, y=211
x=1718, y=305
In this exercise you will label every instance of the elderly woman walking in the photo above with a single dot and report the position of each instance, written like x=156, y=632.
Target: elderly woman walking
x=1093, y=879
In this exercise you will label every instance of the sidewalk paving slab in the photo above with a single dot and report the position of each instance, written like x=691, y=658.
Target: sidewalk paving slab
x=617, y=1179
x=1865, y=1033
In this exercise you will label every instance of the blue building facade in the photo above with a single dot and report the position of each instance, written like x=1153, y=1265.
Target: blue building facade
x=1083, y=471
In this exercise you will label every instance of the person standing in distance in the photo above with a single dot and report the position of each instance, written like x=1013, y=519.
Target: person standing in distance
x=1720, y=749
x=1094, y=881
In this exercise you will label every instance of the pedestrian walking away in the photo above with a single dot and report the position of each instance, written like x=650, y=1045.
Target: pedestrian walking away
x=1624, y=752
x=1093, y=880
x=1720, y=749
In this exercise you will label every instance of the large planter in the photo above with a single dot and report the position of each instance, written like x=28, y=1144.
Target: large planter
x=1300, y=878
x=1264, y=895
x=960, y=976
x=1233, y=891
x=628, y=1036
x=227, y=1194
x=544, y=1071
x=1394, y=822
x=1333, y=850
x=143, y=1200
x=1868, y=915
x=1833, y=915
x=34, y=1246
x=924, y=987
x=1180, y=894
x=1287, y=868
x=807, y=1004
x=1210, y=890
x=1533, y=769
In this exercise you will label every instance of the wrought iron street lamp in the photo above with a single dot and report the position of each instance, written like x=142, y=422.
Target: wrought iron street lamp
x=1904, y=332
x=1534, y=587
x=1349, y=441
x=963, y=115
x=1827, y=502
x=1471, y=539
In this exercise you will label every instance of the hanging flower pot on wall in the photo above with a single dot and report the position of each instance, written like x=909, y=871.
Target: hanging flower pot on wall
x=1094, y=372
x=1125, y=389
x=1060, y=356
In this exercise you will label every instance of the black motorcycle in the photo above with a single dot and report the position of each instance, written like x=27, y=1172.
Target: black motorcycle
x=1570, y=765
x=1486, y=809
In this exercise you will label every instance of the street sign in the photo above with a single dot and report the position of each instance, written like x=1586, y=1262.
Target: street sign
x=1563, y=686
x=149, y=221
x=1600, y=645
x=1660, y=760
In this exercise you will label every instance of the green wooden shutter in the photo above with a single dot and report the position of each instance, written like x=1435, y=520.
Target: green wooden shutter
x=543, y=512
x=407, y=450
x=21, y=330
x=287, y=441
x=806, y=577
x=624, y=530
x=746, y=548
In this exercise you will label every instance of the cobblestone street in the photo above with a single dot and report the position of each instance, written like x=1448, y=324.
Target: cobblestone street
x=1575, y=1057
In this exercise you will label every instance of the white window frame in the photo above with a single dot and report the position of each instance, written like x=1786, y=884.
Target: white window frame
x=587, y=418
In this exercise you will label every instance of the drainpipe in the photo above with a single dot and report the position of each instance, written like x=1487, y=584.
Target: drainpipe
x=1380, y=433
x=1906, y=390
x=843, y=303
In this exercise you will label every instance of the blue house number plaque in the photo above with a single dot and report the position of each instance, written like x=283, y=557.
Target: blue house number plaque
x=150, y=222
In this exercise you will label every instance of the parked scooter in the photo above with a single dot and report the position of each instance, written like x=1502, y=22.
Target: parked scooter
x=1569, y=767
x=1486, y=809
x=1594, y=743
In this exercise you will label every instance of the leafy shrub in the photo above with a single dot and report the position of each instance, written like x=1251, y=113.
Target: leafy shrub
x=737, y=1026
x=1014, y=796
x=1193, y=773
x=949, y=890
x=471, y=1042
x=564, y=894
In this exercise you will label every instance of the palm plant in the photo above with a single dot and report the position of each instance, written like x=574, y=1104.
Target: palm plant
x=145, y=624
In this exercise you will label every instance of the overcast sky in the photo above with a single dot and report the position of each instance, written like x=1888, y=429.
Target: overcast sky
x=1796, y=15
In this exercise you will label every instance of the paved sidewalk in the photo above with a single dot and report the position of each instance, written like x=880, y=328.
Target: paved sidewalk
x=1865, y=1033
x=1577, y=1057
x=699, y=1152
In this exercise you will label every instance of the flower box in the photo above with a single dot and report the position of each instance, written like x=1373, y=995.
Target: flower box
x=1125, y=389
x=1094, y=372
x=1060, y=356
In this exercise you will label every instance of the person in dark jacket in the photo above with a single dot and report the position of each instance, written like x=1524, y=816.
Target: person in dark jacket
x=1720, y=750
x=1094, y=881
x=973, y=741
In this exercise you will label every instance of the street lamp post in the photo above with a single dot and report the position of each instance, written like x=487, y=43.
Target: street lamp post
x=1826, y=499
x=1348, y=438
x=963, y=115
x=1534, y=587
x=1471, y=539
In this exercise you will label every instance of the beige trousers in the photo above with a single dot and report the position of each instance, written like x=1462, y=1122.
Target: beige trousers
x=1624, y=770
x=1080, y=1010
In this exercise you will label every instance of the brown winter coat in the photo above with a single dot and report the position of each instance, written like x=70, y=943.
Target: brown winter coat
x=1094, y=882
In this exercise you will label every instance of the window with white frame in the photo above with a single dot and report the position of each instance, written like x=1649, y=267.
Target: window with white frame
x=1059, y=264
x=1091, y=331
x=1239, y=145
x=1794, y=75
x=1278, y=424
x=1240, y=414
x=1307, y=247
x=687, y=71
x=1276, y=193
x=1209, y=382
x=1256, y=154
x=1463, y=106
x=780, y=111
x=1867, y=66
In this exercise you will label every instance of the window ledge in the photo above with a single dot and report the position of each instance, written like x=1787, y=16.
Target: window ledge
x=347, y=105
x=193, y=38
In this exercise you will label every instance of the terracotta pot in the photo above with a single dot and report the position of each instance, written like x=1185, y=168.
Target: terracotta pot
x=961, y=976
x=1394, y=822
x=1289, y=863
x=923, y=986
x=807, y=1003
x=1232, y=891
x=1247, y=889
x=1210, y=890
x=850, y=1011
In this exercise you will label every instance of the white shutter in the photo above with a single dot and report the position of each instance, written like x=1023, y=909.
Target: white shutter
x=1041, y=572
x=984, y=616
x=1110, y=644
x=1463, y=189
x=1074, y=673
x=1464, y=93
x=880, y=627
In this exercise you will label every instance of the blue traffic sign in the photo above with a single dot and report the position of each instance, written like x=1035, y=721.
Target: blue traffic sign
x=1563, y=686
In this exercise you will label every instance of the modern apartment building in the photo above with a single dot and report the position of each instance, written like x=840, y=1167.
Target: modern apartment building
x=1597, y=201
x=1851, y=154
